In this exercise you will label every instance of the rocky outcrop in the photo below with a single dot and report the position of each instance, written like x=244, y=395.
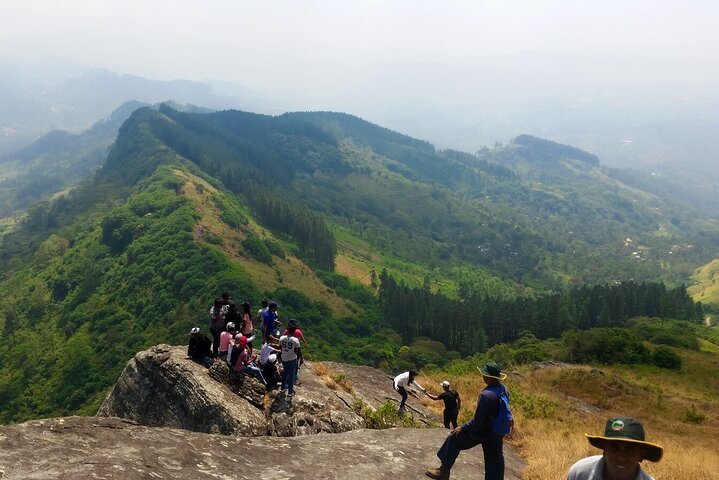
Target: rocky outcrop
x=161, y=387
x=112, y=448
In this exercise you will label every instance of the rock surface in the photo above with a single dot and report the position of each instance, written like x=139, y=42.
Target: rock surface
x=161, y=387
x=112, y=448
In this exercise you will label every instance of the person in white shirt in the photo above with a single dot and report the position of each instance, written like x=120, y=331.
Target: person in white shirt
x=624, y=448
x=401, y=382
x=268, y=363
x=290, y=349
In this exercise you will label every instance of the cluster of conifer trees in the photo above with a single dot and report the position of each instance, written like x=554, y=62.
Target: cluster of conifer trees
x=305, y=227
x=471, y=325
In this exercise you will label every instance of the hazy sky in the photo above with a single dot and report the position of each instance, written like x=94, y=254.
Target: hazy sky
x=222, y=39
x=599, y=74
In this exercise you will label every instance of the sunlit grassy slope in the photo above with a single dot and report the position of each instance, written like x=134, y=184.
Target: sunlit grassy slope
x=556, y=406
x=706, y=287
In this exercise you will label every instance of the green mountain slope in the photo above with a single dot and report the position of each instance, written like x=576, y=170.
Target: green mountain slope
x=189, y=205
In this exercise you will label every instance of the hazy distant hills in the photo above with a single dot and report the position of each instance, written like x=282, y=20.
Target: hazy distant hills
x=31, y=106
x=59, y=159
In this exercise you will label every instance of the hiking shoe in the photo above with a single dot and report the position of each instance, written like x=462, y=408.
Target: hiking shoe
x=438, y=473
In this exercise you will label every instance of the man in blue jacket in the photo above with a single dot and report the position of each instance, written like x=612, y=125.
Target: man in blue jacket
x=478, y=430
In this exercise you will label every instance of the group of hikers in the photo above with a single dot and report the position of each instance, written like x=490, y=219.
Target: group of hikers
x=233, y=333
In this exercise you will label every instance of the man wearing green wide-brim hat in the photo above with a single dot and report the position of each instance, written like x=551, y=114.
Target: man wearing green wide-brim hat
x=492, y=420
x=624, y=447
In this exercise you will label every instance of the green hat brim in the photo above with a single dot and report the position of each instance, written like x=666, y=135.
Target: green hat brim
x=652, y=451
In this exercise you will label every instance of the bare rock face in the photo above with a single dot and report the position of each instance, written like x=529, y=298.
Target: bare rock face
x=113, y=448
x=161, y=387
x=374, y=388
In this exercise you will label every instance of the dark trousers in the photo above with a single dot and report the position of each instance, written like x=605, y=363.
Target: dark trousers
x=491, y=445
x=402, y=391
x=215, y=340
x=450, y=417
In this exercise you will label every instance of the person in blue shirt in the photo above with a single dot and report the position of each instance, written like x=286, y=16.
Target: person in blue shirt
x=269, y=321
x=477, y=431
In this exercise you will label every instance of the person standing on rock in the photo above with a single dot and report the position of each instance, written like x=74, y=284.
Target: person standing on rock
x=261, y=315
x=290, y=347
x=217, y=325
x=491, y=422
x=401, y=383
x=293, y=331
x=246, y=319
x=452, y=404
x=269, y=321
x=624, y=447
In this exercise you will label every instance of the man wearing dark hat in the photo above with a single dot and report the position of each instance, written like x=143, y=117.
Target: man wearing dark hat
x=624, y=448
x=477, y=431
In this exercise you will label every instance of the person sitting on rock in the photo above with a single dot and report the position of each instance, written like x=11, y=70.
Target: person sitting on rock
x=268, y=363
x=225, y=340
x=235, y=342
x=199, y=347
x=452, y=404
x=624, y=447
x=401, y=382
x=242, y=361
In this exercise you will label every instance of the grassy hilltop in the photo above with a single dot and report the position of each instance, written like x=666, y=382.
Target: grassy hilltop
x=556, y=405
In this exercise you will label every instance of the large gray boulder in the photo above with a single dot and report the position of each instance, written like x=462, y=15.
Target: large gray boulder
x=112, y=448
x=161, y=387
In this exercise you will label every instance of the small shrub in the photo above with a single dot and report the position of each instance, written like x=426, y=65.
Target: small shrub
x=341, y=380
x=257, y=249
x=385, y=416
x=664, y=357
x=531, y=405
x=213, y=239
x=693, y=417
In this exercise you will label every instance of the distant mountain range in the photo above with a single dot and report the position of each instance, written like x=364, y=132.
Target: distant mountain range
x=31, y=107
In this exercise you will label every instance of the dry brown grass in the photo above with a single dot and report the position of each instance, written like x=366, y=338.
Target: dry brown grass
x=333, y=380
x=555, y=407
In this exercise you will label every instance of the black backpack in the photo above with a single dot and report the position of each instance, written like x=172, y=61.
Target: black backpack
x=235, y=355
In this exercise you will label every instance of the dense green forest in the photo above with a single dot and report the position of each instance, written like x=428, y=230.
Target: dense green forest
x=478, y=322
x=187, y=206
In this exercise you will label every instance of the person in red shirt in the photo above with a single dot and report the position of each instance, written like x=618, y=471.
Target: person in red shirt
x=243, y=362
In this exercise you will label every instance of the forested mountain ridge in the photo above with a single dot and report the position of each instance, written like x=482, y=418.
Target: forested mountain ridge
x=187, y=206
x=445, y=207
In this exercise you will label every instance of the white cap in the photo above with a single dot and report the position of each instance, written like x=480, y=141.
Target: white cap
x=272, y=358
x=445, y=384
x=194, y=330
